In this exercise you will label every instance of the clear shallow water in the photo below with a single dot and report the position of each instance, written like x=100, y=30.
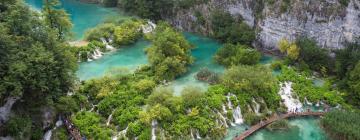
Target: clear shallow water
x=129, y=57
x=83, y=16
x=203, y=54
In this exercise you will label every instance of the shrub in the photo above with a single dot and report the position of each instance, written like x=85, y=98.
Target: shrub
x=230, y=55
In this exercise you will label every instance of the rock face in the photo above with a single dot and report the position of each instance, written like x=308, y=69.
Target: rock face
x=328, y=22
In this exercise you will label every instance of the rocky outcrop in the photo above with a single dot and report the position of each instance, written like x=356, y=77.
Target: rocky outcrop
x=328, y=22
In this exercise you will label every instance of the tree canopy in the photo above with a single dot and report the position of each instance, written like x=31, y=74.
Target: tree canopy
x=170, y=53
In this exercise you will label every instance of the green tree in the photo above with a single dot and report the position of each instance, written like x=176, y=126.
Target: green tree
x=230, y=55
x=56, y=18
x=354, y=84
x=169, y=54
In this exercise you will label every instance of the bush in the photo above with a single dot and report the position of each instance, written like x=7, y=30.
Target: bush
x=19, y=127
x=313, y=55
x=207, y=76
x=232, y=55
x=227, y=29
x=341, y=124
x=127, y=33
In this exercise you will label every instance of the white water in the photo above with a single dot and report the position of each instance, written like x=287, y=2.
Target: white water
x=153, y=129
x=223, y=120
x=224, y=108
x=109, y=118
x=197, y=134
x=6, y=109
x=107, y=45
x=307, y=102
x=148, y=28
x=237, y=115
x=121, y=134
x=229, y=101
x=286, y=95
x=48, y=133
x=257, y=107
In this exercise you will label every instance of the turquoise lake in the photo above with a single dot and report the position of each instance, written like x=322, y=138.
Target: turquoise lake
x=85, y=16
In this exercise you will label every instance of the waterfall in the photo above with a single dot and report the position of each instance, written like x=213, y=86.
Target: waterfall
x=6, y=109
x=79, y=57
x=92, y=108
x=88, y=59
x=192, y=135
x=257, y=107
x=121, y=133
x=107, y=45
x=224, y=108
x=197, y=134
x=148, y=28
x=96, y=54
x=238, y=116
x=109, y=118
x=317, y=104
x=153, y=128
x=286, y=95
x=307, y=102
x=48, y=134
x=229, y=101
x=224, y=119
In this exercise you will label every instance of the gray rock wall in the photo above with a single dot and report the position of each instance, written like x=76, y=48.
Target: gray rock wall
x=325, y=21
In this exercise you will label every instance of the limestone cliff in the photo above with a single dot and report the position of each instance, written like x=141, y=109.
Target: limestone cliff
x=329, y=22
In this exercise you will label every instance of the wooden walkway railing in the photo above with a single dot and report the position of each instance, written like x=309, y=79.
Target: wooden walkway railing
x=70, y=127
x=274, y=118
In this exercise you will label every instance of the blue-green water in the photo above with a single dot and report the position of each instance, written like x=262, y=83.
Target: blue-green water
x=306, y=128
x=130, y=57
x=83, y=16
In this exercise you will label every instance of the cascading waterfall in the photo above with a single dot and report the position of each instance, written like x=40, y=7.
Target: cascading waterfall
x=120, y=134
x=286, y=95
x=153, y=129
x=192, y=135
x=197, y=134
x=229, y=101
x=6, y=109
x=109, y=118
x=317, y=104
x=307, y=102
x=238, y=116
x=148, y=28
x=224, y=108
x=88, y=58
x=107, y=45
x=224, y=120
x=79, y=57
x=48, y=133
x=257, y=107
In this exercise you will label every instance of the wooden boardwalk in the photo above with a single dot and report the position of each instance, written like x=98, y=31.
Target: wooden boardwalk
x=274, y=118
x=70, y=127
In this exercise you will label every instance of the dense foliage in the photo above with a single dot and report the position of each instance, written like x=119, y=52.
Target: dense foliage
x=342, y=124
x=252, y=82
x=315, y=57
x=36, y=65
x=305, y=88
x=169, y=54
x=230, y=55
x=229, y=30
